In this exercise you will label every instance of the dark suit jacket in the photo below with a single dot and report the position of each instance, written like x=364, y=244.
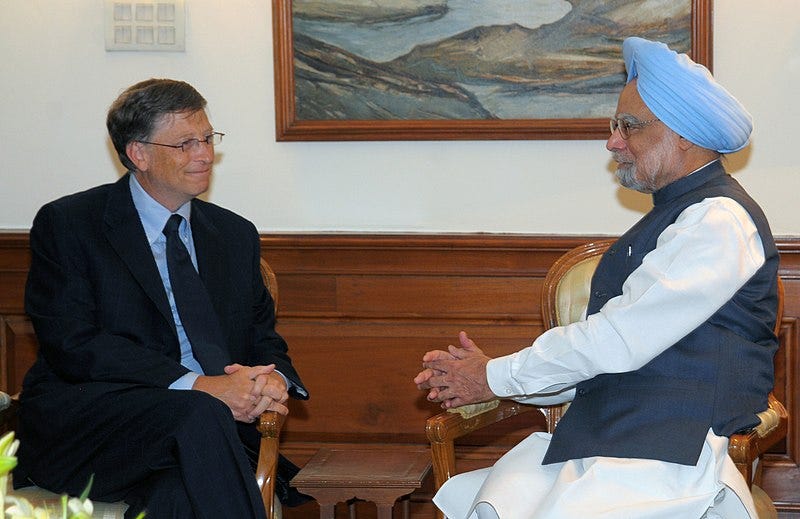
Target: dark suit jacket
x=100, y=310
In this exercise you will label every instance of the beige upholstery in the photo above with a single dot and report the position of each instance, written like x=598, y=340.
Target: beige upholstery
x=101, y=510
x=270, y=424
x=565, y=296
x=573, y=291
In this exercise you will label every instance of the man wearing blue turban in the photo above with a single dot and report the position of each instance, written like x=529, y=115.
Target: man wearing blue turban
x=680, y=317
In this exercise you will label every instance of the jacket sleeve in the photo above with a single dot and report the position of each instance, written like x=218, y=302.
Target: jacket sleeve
x=268, y=345
x=91, y=318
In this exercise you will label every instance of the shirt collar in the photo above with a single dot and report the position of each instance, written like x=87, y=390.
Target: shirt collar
x=704, y=165
x=153, y=215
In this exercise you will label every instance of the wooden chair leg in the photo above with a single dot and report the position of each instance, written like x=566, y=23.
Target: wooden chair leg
x=269, y=426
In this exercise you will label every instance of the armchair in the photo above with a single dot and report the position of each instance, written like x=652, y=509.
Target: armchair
x=269, y=425
x=565, y=295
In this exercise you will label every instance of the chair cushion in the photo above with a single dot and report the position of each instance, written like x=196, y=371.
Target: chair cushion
x=38, y=496
x=469, y=410
x=770, y=419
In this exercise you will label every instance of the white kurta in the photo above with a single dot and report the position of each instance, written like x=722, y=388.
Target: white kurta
x=699, y=263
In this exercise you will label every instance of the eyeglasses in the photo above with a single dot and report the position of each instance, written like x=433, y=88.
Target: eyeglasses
x=192, y=144
x=625, y=125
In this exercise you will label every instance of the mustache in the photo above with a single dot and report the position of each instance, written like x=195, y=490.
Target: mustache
x=618, y=157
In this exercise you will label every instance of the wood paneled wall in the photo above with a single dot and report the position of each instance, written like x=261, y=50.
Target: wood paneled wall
x=359, y=311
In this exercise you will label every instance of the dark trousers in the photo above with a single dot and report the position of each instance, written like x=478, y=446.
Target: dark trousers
x=176, y=454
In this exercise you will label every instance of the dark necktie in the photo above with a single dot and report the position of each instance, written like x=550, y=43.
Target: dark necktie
x=200, y=321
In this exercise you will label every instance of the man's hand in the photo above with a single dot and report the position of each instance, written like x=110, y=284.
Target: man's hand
x=247, y=390
x=269, y=392
x=455, y=377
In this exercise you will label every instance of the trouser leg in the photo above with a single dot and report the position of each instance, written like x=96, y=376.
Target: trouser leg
x=127, y=435
x=162, y=495
x=214, y=466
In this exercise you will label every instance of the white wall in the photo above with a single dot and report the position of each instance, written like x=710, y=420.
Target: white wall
x=56, y=82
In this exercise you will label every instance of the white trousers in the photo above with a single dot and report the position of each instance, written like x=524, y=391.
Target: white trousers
x=518, y=486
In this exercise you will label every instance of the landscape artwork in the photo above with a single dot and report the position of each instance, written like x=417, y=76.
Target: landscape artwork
x=422, y=63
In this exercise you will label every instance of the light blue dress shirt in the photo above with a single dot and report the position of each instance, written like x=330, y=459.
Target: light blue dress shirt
x=154, y=217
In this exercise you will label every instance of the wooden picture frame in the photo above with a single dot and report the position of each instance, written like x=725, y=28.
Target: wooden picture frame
x=289, y=127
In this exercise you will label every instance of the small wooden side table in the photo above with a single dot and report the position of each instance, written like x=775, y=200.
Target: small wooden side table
x=337, y=474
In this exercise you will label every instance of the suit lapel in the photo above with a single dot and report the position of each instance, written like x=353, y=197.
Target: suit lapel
x=211, y=260
x=125, y=233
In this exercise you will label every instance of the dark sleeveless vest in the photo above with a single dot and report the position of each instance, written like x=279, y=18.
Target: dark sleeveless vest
x=718, y=376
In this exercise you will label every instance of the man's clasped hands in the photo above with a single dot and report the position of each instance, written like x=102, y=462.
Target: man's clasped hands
x=248, y=390
x=457, y=376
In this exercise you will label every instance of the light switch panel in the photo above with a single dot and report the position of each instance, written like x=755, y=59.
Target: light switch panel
x=146, y=25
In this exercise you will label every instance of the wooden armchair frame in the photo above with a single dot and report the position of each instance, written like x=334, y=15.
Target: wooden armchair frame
x=269, y=426
x=443, y=429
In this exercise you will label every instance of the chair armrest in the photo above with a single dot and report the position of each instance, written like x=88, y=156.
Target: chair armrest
x=746, y=447
x=269, y=426
x=773, y=420
x=448, y=426
x=771, y=428
x=445, y=427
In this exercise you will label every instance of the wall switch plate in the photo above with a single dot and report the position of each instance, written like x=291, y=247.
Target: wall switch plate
x=145, y=25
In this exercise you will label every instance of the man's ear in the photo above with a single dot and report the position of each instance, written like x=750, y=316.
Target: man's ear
x=138, y=155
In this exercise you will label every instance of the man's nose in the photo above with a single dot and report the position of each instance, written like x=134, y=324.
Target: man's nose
x=205, y=151
x=615, y=141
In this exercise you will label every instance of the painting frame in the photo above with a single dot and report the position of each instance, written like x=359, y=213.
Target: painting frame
x=290, y=128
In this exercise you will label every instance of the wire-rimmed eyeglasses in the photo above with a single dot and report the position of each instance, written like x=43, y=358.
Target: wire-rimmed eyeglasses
x=192, y=144
x=626, y=125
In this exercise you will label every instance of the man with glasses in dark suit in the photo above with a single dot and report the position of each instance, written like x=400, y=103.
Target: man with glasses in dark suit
x=158, y=347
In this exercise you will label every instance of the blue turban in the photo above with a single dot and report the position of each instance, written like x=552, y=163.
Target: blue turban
x=685, y=97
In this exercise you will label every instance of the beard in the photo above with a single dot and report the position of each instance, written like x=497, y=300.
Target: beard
x=639, y=177
x=626, y=174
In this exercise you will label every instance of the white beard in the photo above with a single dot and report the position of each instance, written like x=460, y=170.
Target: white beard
x=626, y=175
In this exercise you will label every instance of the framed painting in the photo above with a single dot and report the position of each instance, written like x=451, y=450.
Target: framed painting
x=464, y=69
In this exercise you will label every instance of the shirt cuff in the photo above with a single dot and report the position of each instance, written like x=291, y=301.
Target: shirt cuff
x=185, y=382
x=498, y=375
x=291, y=385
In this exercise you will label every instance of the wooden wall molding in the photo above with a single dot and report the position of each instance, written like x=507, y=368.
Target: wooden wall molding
x=359, y=310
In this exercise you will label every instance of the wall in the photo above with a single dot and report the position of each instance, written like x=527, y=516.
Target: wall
x=57, y=82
